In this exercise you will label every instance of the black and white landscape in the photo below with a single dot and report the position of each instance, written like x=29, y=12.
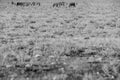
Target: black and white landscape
x=59, y=40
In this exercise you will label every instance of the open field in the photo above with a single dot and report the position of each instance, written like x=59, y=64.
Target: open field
x=81, y=42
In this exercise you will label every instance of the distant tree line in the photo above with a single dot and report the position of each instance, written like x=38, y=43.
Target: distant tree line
x=57, y=4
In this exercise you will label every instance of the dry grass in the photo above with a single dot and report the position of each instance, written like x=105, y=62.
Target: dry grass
x=64, y=44
x=68, y=60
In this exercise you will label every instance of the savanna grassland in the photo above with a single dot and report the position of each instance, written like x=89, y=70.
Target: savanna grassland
x=80, y=41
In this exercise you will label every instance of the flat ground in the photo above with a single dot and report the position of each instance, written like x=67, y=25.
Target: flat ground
x=65, y=43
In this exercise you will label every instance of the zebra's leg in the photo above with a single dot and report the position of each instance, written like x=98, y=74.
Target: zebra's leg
x=54, y=5
x=33, y=4
x=38, y=4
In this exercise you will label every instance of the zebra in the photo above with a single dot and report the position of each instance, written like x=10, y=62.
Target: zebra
x=26, y=3
x=20, y=4
x=12, y=3
x=72, y=4
x=59, y=4
x=35, y=3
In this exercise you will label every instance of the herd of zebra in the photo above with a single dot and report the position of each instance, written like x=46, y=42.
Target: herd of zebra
x=57, y=4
